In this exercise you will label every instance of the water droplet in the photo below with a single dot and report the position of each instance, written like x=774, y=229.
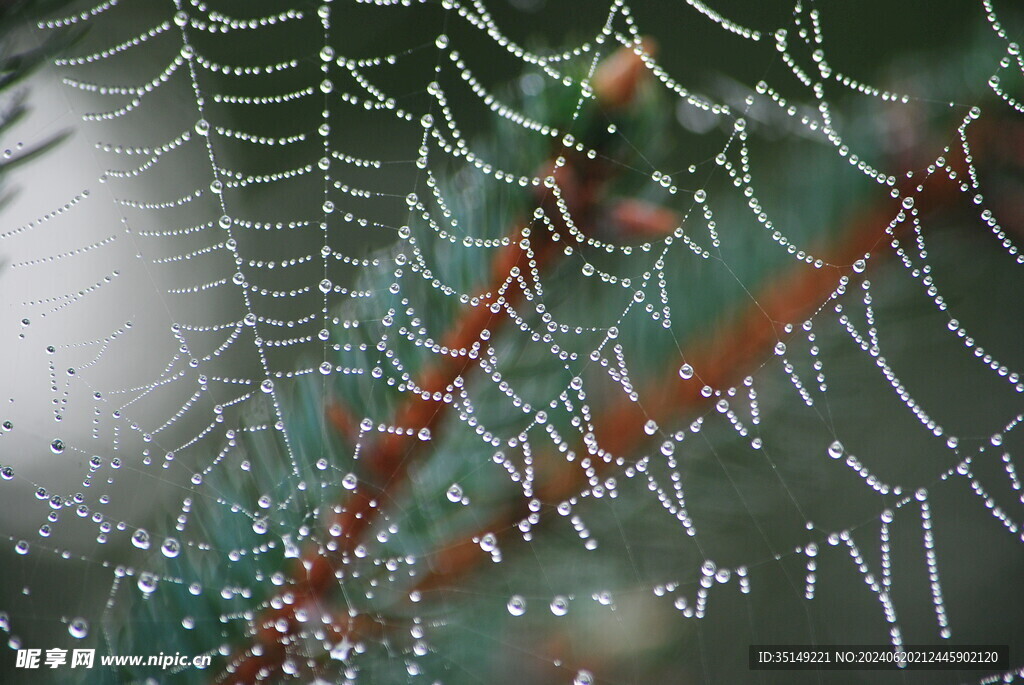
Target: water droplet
x=349, y=481
x=700, y=196
x=141, y=538
x=171, y=548
x=583, y=678
x=686, y=372
x=559, y=605
x=455, y=493
x=442, y=41
x=78, y=628
x=57, y=446
x=835, y=450
x=780, y=348
x=516, y=605
x=147, y=583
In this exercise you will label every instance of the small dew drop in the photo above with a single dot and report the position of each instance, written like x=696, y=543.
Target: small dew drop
x=78, y=628
x=141, y=538
x=171, y=548
x=147, y=583
x=517, y=605
x=455, y=493
x=583, y=678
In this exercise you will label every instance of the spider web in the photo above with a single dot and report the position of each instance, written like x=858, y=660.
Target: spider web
x=234, y=317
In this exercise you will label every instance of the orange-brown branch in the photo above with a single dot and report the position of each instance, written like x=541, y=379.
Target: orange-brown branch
x=740, y=343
